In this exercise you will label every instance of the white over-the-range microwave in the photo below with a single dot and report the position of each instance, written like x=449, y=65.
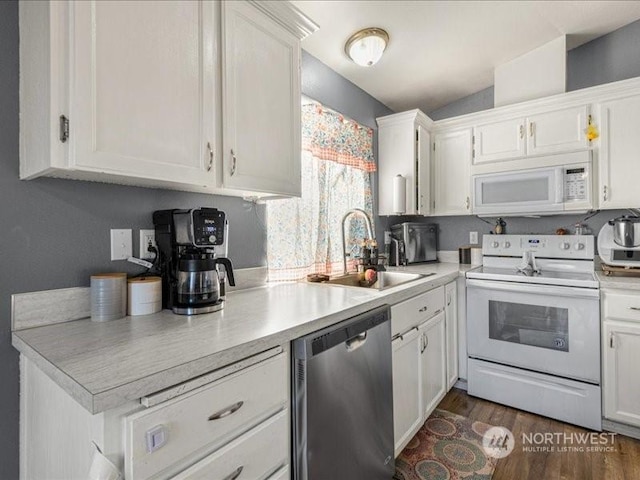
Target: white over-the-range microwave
x=538, y=191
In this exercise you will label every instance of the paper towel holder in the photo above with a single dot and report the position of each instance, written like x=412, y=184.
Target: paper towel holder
x=399, y=194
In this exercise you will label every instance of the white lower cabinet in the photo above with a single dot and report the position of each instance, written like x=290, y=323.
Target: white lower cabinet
x=419, y=362
x=433, y=363
x=407, y=401
x=451, y=327
x=235, y=427
x=621, y=356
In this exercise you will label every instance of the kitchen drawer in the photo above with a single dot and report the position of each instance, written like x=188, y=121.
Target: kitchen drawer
x=256, y=455
x=205, y=418
x=624, y=305
x=410, y=313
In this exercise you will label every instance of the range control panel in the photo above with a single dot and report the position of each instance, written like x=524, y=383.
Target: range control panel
x=545, y=246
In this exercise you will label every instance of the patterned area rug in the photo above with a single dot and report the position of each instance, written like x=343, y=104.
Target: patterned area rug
x=447, y=447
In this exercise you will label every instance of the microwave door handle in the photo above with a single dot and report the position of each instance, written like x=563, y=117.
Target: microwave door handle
x=560, y=180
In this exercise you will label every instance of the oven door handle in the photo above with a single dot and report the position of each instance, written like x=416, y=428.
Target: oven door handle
x=533, y=288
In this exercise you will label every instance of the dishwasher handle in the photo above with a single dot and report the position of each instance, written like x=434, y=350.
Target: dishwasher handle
x=349, y=332
x=356, y=342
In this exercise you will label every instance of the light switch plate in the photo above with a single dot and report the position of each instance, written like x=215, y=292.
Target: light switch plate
x=473, y=238
x=121, y=244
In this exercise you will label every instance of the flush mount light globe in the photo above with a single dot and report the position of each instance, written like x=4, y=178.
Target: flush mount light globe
x=366, y=46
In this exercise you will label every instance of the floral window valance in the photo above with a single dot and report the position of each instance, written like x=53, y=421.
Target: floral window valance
x=329, y=136
x=304, y=234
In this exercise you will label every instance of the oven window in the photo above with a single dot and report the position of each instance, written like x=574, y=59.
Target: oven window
x=545, y=327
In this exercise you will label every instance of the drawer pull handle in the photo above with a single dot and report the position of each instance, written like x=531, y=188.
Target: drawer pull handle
x=424, y=309
x=210, y=166
x=637, y=309
x=226, y=412
x=234, y=474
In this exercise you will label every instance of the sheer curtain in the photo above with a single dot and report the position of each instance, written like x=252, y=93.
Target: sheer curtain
x=304, y=234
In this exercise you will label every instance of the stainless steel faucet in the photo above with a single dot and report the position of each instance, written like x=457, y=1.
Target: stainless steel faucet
x=367, y=222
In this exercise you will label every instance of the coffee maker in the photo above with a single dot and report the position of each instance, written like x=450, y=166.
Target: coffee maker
x=192, y=246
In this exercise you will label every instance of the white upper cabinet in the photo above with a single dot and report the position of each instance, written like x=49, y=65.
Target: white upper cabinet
x=404, y=149
x=452, y=162
x=142, y=89
x=558, y=131
x=261, y=101
x=138, y=87
x=545, y=133
x=499, y=141
x=619, y=153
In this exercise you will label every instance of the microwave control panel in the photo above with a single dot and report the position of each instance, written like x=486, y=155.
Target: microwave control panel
x=575, y=184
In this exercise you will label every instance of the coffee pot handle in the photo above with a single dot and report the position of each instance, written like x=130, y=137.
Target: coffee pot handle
x=228, y=267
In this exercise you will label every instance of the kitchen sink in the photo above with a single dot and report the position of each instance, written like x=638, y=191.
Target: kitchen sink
x=385, y=280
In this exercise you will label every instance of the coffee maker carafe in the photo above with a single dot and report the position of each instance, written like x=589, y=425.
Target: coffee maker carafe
x=192, y=246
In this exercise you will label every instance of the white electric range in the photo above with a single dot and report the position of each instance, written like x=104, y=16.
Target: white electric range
x=533, y=326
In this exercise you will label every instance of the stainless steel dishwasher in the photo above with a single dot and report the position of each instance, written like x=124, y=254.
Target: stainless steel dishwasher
x=343, y=401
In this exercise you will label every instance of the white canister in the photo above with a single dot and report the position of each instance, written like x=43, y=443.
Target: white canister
x=144, y=295
x=108, y=296
x=476, y=256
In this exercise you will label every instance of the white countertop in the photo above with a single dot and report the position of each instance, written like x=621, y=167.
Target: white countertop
x=621, y=282
x=105, y=364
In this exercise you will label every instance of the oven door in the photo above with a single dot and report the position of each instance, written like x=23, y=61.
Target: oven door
x=543, y=328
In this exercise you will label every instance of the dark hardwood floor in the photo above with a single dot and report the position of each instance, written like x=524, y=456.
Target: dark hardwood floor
x=622, y=464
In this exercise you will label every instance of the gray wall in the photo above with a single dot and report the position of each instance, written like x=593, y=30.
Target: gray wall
x=323, y=84
x=610, y=58
x=55, y=233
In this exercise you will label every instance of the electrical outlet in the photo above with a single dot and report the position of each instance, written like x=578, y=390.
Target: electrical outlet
x=121, y=244
x=147, y=237
x=473, y=238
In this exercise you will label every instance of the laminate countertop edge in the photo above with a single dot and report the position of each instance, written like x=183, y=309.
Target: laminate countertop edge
x=97, y=387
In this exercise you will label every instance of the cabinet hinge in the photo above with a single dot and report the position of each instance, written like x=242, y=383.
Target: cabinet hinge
x=64, y=128
x=473, y=139
x=434, y=147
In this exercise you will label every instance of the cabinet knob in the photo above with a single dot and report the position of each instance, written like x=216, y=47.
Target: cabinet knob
x=532, y=128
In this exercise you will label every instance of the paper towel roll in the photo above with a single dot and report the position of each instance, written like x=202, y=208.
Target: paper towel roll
x=399, y=194
x=144, y=295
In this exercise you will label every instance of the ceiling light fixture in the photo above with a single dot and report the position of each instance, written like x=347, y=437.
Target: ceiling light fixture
x=366, y=46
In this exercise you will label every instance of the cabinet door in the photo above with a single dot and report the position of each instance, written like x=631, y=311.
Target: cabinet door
x=407, y=405
x=142, y=94
x=559, y=131
x=621, y=384
x=619, y=157
x=499, y=141
x=261, y=103
x=451, y=327
x=433, y=363
x=452, y=186
x=423, y=165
